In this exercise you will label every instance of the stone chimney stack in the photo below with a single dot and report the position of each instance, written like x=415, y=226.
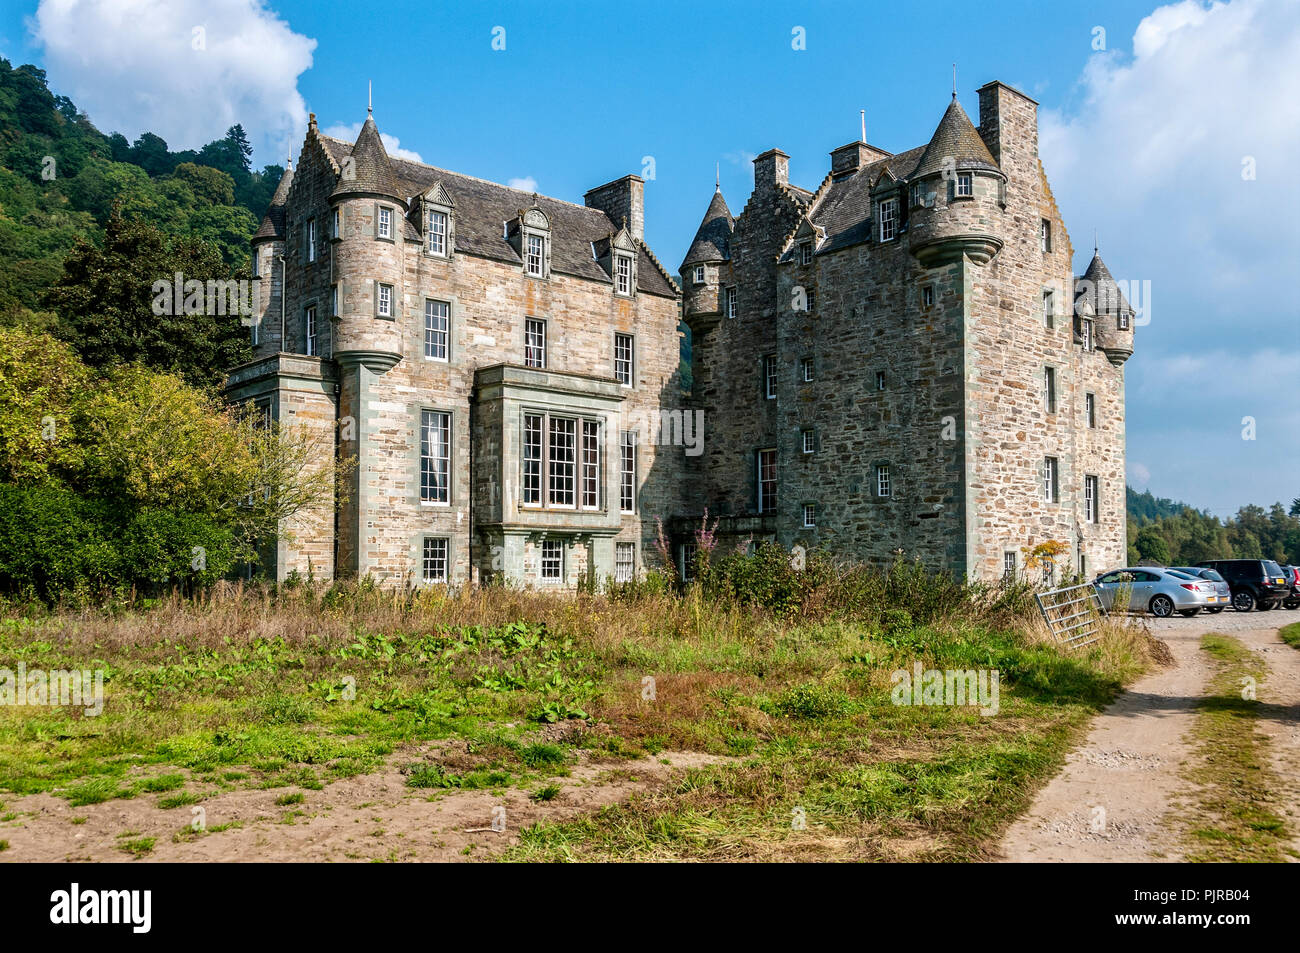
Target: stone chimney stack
x=1009, y=127
x=623, y=200
x=854, y=156
x=771, y=169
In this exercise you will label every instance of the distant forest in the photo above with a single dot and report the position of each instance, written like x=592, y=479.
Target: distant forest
x=1175, y=534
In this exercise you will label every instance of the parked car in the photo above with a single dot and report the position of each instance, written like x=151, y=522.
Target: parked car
x=1292, y=575
x=1162, y=592
x=1254, y=582
x=1222, y=592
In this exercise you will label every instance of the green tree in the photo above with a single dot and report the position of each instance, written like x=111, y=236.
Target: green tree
x=1150, y=544
x=210, y=186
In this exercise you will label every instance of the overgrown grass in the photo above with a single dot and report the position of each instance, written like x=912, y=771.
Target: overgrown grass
x=1236, y=797
x=1290, y=634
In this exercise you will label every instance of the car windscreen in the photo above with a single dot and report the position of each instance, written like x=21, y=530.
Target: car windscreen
x=1271, y=568
x=1211, y=575
x=1180, y=575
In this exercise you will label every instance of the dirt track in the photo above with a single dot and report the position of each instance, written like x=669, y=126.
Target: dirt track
x=1113, y=798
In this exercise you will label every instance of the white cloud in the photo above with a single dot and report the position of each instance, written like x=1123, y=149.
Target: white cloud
x=526, y=184
x=392, y=145
x=185, y=70
x=1138, y=474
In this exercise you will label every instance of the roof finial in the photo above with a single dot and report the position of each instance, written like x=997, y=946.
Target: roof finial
x=863, y=114
x=717, y=177
x=954, y=82
x=1094, y=242
x=370, y=97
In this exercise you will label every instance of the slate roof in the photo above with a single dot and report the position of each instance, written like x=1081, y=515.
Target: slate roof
x=483, y=207
x=956, y=137
x=1100, y=289
x=372, y=173
x=713, y=238
x=845, y=210
x=273, y=221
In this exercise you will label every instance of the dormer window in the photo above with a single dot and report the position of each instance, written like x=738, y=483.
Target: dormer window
x=965, y=187
x=622, y=274
x=699, y=274
x=888, y=220
x=805, y=253
x=536, y=255
x=436, y=232
x=384, y=223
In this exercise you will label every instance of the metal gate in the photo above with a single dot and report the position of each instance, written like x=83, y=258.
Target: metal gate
x=1073, y=614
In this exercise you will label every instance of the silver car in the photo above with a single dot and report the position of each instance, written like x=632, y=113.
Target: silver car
x=1222, y=597
x=1162, y=592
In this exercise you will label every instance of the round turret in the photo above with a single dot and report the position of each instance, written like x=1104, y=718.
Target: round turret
x=1112, y=313
x=702, y=268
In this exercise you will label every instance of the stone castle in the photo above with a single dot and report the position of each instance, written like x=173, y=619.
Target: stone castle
x=900, y=360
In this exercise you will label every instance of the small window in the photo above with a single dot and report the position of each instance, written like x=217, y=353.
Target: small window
x=534, y=342
x=436, y=231
x=384, y=302
x=927, y=296
x=1051, y=480
x=699, y=274
x=435, y=457
x=257, y=264
x=809, y=516
x=965, y=185
x=1045, y=236
x=384, y=225
x=311, y=239
x=335, y=226
x=883, y=485
x=809, y=441
x=1090, y=409
x=918, y=194
x=1049, y=389
x=888, y=220
x=1090, y=499
x=1121, y=321
x=1083, y=563
x=767, y=481
x=810, y=300
x=335, y=302
x=688, y=553
x=310, y=331
x=1009, y=564
x=435, y=559
x=805, y=253
x=624, y=562
x=1087, y=334
x=622, y=274
x=769, y=376
x=552, y=560
x=880, y=380
x=535, y=259
x=1049, y=310
x=806, y=369
x=627, y=472
x=731, y=302
x=623, y=349
x=253, y=327
x=437, y=316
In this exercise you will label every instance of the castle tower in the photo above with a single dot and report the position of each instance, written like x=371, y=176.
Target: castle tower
x=1113, y=314
x=268, y=247
x=702, y=267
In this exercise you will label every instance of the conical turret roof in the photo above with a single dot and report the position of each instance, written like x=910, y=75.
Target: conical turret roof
x=370, y=172
x=955, y=138
x=713, y=238
x=273, y=221
x=1101, y=290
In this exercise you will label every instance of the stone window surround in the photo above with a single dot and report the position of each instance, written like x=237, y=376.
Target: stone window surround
x=927, y=292
x=879, y=469
x=392, y=301
x=451, y=303
x=1053, y=465
x=761, y=500
x=809, y=520
x=543, y=547
x=1090, y=410
x=1049, y=308
x=881, y=204
x=1045, y=236
x=623, y=258
x=392, y=223
x=311, y=329
x=448, y=235
x=627, y=440
x=579, y=418
x=453, y=420
x=1050, y=389
x=336, y=224
x=806, y=250
x=631, y=358
x=447, y=560
x=1091, y=482
x=968, y=178
x=769, y=368
x=808, y=440
x=807, y=370
x=622, y=547
x=310, y=245
x=700, y=275
x=545, y=345
x=527, y=232
x=732, y=301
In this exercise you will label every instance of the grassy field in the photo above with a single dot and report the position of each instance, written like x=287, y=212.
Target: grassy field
x=300, y=688
x=1290, y=634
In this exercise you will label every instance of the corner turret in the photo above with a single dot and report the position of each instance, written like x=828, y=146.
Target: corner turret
x=701, y=269
x=1097, y=291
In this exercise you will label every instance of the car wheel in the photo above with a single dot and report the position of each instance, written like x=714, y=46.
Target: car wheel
x=1292, y=604
x=1216, y=610
x=1265, y=606
x=1162, y=607
x=1243, y=601
x=1188, y=613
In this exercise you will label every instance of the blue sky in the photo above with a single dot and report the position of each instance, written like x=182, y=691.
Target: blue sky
x=1144, y=140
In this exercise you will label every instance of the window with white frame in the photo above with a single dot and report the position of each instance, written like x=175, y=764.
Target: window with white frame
x=1049, y=310
x=624, y=562
x=561, y=451
x=888, y=220
x=623, y=350
x=880, y=380
x=310, y=331
x=965, y=187
x=622, y=274
x=535, y=259
x=253, y=328
x=335, y=303
x=1009, y=564
x=533, y=458
x=884, y=487
x=805, y=253
x=435, y=457
x=927, y=296
x=767, y=480
x=384, y=223
x=918, y=194
x=1090, y=409
x=311, y=239
x=335, y=224
x=699, y=274
x=810, y=300
x=1121, y=321
x=769, y=376
x=1045, y=236
x=552, y=560
x=534, y=342
x=384, y=301
x=437, y=318
x=1049, y=389
x=809, y=516
x=436, y=232
x=1087, y=333
x=1051, y=480
x=689, y=553
x=809, y=441
x=806, y=369
x=435, y=559
x=627, y=472
x=731, y=302
x=590, y=464
x=1090, y=499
